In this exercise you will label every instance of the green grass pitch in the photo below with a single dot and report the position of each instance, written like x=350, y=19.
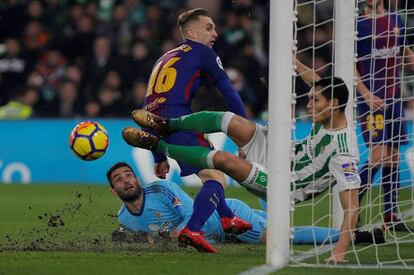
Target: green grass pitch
x=66, y=229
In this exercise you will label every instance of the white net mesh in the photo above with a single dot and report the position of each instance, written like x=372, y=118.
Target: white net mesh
x=383, y=108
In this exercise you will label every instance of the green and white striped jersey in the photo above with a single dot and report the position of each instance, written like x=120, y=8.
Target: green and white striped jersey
x=324, y=158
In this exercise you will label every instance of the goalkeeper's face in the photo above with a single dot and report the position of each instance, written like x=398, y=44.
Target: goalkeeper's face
x=125, y=184
x=319, y=107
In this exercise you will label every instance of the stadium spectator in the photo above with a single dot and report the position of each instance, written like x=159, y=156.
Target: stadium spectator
x=380, y=106
x=140, y=63
x=68, y=104
x=110, y=102
x=22, y=104
x=12, y=18
x=98, y=65
x=92, y=109
x=74, y=74
x=78, y=43
x=51, y=67
x=71, y=28
x=135, y=100
x=13, y=69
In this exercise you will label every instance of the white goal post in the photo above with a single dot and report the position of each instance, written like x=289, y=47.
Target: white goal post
x=280, y=122
x=336, y=29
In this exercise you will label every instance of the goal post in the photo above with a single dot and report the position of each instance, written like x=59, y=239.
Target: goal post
x=345, y=13
x=280, y=122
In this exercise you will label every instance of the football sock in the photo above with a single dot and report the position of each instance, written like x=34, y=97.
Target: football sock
x=195, y=155
x=222, y=208
x=390, y=185
x=206, y=122
x=205, y=203
x=365, y=181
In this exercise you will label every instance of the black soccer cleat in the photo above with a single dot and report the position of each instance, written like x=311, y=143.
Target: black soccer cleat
x=393, y=223
x=138, y=138
x=398, y=226
x=149, y=120
x=374, y=236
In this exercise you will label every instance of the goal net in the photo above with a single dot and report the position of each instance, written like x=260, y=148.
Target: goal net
x=368, y=44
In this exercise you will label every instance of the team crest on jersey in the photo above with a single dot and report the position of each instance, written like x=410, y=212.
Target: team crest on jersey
x=218, y=60
x=157, y=214
x=177, y=202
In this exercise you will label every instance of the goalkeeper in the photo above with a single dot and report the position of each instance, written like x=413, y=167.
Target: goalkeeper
x=329, y=151
x=162, y=208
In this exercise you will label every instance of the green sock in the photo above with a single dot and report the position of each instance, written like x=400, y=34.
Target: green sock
x=206, y=122
x=194, y=155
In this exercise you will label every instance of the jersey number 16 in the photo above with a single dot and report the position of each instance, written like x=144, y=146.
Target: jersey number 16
x=162, y=78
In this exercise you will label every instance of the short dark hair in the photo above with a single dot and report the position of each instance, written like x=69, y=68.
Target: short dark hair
x=339, y=91
x=191, y=15
x=114, y=167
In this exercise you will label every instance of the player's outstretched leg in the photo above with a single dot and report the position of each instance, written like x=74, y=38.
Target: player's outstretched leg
x=206, y=122
x=149, y=120
x=195, y=155
x=194, y=239
x=138, y=138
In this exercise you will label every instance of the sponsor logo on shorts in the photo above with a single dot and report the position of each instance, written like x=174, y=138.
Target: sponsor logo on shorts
x=350, y=171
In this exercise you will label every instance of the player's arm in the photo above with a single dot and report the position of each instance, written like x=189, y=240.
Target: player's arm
x=409, y=56
x=231, y=97
x=210, y=63
x=308, y=75
x=370, y=99
x=161, y=165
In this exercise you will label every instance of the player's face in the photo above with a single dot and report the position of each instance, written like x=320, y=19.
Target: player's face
x=319, y=107
x=125, y=184
x=205, y=32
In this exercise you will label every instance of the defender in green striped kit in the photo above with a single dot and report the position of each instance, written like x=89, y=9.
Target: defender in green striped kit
x=328, y=156
x=324, y=157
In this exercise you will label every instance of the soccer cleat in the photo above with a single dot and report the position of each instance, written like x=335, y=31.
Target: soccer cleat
x=375, y=236
x=194, y=239
x=138, y=138
x=397, y=225
x=149, y=120
x=393, y=223
x=235, y=225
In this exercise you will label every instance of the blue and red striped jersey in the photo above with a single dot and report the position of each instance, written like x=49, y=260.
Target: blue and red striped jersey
x=380, y=46
x=177, y=75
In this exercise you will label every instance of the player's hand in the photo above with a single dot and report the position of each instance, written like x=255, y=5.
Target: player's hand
x=161, y=169
x=336, y=259
x=374, y=102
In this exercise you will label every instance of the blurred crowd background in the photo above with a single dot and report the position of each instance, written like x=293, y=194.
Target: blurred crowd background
x=92, y=58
